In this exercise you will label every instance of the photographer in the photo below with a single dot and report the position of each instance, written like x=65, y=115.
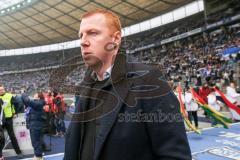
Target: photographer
x=35, y=121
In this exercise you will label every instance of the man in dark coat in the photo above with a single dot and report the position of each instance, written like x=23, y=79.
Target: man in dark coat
x=35, y=121
x=126, y=111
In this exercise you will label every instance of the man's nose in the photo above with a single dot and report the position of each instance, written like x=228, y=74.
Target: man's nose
x=84, y=41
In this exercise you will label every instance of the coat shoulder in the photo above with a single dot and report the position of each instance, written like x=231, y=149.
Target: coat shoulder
x=149, y=75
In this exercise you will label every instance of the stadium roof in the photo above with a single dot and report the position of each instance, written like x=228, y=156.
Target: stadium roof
x=52, y=21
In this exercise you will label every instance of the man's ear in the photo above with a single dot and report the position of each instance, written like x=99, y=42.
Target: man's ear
x=117, y=36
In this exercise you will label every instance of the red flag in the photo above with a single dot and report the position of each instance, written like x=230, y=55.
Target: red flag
x=210, y=111
x=180, y=101
x=229, y=104
x=197, y=96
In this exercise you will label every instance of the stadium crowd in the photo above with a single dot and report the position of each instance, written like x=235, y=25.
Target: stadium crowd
x=191, y=60
x=196, y=58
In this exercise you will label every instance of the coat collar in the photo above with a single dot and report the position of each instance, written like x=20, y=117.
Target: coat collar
x=117, y=79
x=119, y=84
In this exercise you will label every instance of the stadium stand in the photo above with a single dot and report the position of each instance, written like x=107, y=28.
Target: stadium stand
x=199, y=51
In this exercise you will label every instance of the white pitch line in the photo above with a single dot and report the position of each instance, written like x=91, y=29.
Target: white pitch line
x=208, y=128
x=48, y=156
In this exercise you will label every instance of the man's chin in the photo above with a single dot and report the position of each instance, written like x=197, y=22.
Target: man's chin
x=93, y=63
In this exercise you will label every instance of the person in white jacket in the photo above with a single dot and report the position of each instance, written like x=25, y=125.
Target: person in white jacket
x=231, y=93
x=191, y=107
x=233, y=96
x=212, y=102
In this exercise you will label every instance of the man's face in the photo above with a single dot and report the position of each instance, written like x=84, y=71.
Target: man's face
x=35, y=96
x=49, y=92
x=2, y=91
x=95, y=34
x=232, y=85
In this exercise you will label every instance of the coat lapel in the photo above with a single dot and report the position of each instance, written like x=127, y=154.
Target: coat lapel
x=108, y=121
x=84, y=92
x=120, y=89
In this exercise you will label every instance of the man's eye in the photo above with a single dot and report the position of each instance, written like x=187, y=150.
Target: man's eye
x=93, y=33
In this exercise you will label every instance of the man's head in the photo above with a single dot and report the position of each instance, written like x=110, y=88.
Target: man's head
x=38, y=95
x=100, y=36
x=23, y=90
x=232, y=85
x=2, y=90
x=49, y=92
x=205, y=85
x=188, y=89
x=55, y=93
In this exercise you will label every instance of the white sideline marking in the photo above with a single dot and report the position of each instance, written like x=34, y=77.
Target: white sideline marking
x=208, y=128
x=48, y=156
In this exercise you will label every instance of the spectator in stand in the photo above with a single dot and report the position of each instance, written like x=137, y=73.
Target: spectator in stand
x=199, y=79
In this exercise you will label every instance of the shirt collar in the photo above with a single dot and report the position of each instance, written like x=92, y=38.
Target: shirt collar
x=116, y=71
x=106, y=74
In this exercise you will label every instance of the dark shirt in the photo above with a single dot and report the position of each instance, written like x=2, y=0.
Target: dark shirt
x=92, y=127
x=35, y=117
x=1, y=102
x=18, y=103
